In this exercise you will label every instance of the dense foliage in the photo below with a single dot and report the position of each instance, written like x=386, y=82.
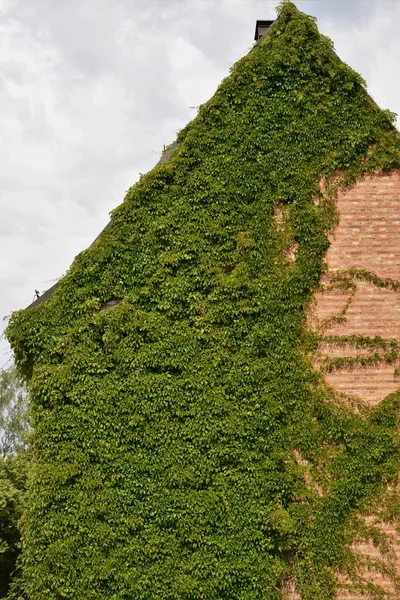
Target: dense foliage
x=14, y=462
x=13, y=474
x=184, y=445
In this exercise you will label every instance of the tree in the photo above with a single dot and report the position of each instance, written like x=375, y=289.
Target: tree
x=14, y=460
x=13, y=413
x=13, y=471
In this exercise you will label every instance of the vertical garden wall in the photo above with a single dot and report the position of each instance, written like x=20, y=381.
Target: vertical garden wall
x=184, y=445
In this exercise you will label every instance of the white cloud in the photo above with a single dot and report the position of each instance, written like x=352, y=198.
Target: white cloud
x=372, y=48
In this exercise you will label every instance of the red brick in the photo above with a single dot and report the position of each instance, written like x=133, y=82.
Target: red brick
x=368, y=238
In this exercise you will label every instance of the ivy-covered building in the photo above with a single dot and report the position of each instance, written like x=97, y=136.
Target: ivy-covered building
x=213, y=383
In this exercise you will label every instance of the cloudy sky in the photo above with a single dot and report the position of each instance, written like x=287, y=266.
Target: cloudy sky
x=91, y=90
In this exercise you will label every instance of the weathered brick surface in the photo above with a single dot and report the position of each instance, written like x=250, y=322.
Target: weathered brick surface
x=368, y=233
x=368, y=238
x=373, y=312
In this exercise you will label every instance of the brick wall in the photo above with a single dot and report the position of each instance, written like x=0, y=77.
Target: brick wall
x=367, y=238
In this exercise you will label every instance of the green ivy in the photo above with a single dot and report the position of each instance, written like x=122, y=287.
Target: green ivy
x=184, y=445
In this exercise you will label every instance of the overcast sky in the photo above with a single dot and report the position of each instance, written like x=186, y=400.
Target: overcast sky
x=91, y=90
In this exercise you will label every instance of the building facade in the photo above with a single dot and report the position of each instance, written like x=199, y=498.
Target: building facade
x=214, y=382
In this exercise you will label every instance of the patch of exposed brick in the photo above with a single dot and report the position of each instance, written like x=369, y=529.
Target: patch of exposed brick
x=366, y=238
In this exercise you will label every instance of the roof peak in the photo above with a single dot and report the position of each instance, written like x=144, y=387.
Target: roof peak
x=262, y=29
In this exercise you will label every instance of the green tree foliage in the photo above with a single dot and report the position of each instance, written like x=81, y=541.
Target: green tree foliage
x=184, y=446
x=13, y=471
x=13, y=412
x=13, y=474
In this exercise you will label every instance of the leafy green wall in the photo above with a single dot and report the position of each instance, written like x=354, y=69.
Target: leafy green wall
x=167, y=426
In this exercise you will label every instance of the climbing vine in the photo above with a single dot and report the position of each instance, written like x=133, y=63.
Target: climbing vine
x=184, y=445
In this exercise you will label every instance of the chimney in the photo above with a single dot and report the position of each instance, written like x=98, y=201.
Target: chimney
x=262, y=30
